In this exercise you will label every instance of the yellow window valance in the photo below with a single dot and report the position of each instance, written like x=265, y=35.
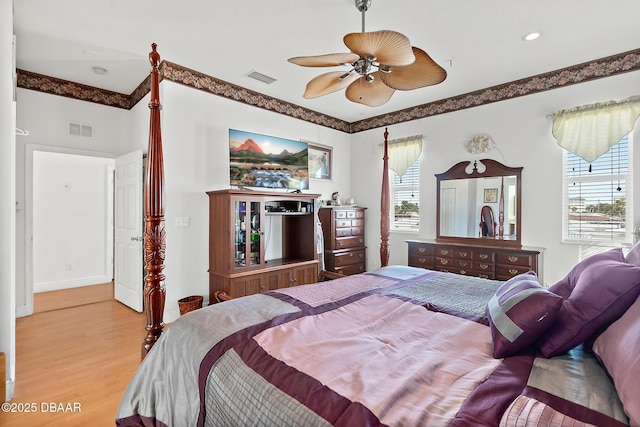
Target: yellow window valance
x=589, y=131
x=404, y=152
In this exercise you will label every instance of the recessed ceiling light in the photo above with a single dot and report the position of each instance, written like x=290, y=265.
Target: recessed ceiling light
x=99, y=70
x=531, y=36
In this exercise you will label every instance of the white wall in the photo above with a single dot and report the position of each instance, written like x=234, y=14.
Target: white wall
x=521, y=129
x=7, y=195
x=72, y=220
x=195, y=128
x=195, y=135
x=195, y=140
x=45, y=117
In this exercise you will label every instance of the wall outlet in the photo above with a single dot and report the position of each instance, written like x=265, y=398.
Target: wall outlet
x=182, y=221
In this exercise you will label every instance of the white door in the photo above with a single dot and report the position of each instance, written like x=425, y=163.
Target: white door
x=447, y=212
x=129, y=220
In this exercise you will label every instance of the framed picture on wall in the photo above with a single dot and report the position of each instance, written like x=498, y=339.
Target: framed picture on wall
x=490, y=195
x=320, y=161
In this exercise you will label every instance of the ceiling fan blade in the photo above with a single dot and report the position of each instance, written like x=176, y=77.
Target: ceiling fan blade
x=328, y=60
x=423, y=72
x=328, y=83
x=373, y=94
x=388, y=47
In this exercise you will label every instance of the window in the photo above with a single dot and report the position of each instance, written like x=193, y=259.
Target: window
x=597, y=196
x=406, y=198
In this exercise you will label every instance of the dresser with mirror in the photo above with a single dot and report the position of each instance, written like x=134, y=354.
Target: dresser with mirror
x=478, y=224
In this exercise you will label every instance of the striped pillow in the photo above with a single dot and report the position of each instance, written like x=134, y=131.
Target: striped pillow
x=519, y=312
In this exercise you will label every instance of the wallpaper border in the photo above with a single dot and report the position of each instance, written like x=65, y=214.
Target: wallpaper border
x=587, y=71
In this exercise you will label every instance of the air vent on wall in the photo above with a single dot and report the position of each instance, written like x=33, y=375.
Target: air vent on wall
x=261, y=77
x=79, y=129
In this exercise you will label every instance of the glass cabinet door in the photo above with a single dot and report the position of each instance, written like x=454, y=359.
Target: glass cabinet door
x=255, y=246
x=248, y=244
x=240, y=217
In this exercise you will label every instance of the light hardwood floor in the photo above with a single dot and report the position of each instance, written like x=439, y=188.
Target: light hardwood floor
x=82, y=355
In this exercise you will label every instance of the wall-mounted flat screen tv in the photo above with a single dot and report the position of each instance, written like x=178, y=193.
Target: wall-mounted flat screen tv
x=263, y=161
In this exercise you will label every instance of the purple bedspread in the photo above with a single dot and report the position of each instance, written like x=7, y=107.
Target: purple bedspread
x=399, y=346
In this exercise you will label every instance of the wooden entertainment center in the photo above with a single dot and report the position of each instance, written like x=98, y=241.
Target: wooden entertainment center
x=244, y=225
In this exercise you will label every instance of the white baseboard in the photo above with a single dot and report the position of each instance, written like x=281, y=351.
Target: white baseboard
x=21, y=311
x=9, y=387
x=68, y=284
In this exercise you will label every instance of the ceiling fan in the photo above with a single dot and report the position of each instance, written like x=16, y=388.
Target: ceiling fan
x=381, y=62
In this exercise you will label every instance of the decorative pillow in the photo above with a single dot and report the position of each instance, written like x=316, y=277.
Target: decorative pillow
x=519, y=312
x=618, y=349
x=596, y=292
x=633, y=257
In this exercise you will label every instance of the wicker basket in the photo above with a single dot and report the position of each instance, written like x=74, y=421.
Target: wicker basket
x=191, y=303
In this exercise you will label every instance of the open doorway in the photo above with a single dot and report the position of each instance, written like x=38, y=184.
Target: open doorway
x=70, y=226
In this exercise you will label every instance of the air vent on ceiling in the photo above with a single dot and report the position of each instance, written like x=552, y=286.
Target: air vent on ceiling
x=80, y=129
x=261, y=77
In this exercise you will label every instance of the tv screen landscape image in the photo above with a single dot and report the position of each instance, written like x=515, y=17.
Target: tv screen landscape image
x=264, y=161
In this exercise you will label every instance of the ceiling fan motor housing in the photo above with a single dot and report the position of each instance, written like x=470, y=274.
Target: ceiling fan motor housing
x=363, y=5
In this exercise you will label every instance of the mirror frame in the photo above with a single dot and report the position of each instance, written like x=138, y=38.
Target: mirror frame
x=493, y=169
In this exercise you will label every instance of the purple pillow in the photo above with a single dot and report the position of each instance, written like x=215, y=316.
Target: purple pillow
x=596, y=292
x=633, y=257
x=519, y=312
x=618, y=349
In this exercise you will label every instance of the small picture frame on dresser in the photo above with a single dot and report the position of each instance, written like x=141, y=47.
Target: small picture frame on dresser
x=320, y=161
x=490, y=195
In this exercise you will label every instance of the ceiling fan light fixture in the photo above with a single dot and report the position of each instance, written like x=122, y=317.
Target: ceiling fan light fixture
x=389, y=54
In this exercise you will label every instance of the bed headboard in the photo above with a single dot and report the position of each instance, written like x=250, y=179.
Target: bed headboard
x=154, y=233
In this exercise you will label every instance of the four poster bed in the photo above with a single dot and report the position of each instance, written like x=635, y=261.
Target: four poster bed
x=395, y=346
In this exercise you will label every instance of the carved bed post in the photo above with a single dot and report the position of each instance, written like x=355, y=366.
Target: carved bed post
x=384, y=206
x=154, y=233
x=501, y=211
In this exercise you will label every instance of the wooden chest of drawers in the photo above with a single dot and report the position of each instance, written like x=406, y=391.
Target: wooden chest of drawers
x=343, y=231
x=479, y=261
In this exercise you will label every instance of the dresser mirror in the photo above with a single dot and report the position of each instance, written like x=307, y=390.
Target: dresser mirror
x=479, y=203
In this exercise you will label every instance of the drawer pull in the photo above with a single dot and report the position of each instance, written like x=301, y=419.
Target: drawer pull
x=361, y=240
x=483, y=276
x=443, y=251
x=513, y=258
x=513, y=271
x=484, y=266
x=361, y=256
x=340, y=259
x=484, y=256
x=340, y=243
x=444, y=261
x=463, y=254
x=463, y=272
x=422, y=250
x=463, y=263
x=422, y=260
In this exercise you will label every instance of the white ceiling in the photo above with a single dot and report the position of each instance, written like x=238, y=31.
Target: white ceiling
x=477, y=42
